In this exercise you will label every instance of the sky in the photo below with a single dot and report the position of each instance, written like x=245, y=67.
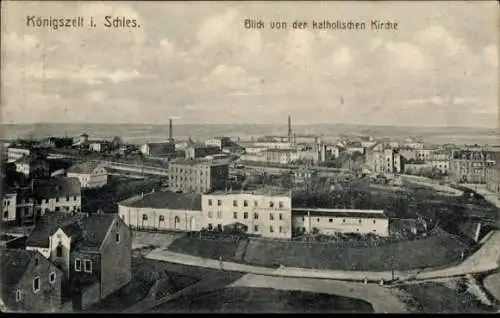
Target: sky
x=196, y=62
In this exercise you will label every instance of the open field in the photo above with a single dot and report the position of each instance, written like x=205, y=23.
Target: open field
x=439, y=298
x=248, y=300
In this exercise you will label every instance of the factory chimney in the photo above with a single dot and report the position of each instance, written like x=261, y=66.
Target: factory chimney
x=170, y=134
x=290, y=129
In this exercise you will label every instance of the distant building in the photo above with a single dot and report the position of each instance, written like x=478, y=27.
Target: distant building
x=423, y=154
x=265, y=212
x=62, y=194
x=419, y=168
x=163, y=210
x=441, y=154
x=195, y=151
x=32, y=167
x=90, y=174
x=221, y=142
x=493, y=178
x=59, y=142
x=443, y=166
x=331, y=221
x=99, y=145
x=408, y=153
x=386, y=160
x=198, y=175
x=82, y=140
x=409, y=143
x=161, y=150
x=29, y=282
x=470, y=166
x=15, y=153
x=93, y=252
x=355, y=147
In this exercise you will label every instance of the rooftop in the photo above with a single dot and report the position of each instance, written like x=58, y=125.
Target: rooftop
x=166, y=200
x=257, y=191
x=84, y=167
x=56, y=188
x=354, y=213
x=199, y=161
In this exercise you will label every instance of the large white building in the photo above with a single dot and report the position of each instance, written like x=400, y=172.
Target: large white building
x=266, y=212
x=58, y=195
x=331, y=221
x=14, y=154
x=8, y=207
x=163, y=210
x=89, y=174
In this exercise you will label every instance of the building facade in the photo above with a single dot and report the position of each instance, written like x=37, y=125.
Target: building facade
x=32, y=167
x=14, y=154
x=89, y=174
x=9, y=201
x=332, y=221
x=163, y=210
x=264, y=212
x=195, y=151
x=493, y=178
x=198, y=175
x=62, y=194
x=470, y=166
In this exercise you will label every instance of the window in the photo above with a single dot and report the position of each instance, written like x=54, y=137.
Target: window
x=360, y=221
x=235, y=215
x=374, y=221
x=67, y=198
x=88, y=266
x=245, y=215
x=256, y=216
x=374, y=231
x=235, y=203
x=161, y=218
x=210, y=202
x=210, y=227
x=256, y=228
x=271, y=217
x=271, y=229
x=57, y=209
x=245, y=203
x=37, y=261
x=209, y=214
x=117, y=237
x=343, y=221
x=46, y=200
x=271, y=204
x=36, y=284
x=6, y=214
x=59, y=251
x=330, y=220
x=74, y=198
x=144, y=217
x=78, y=265
x=219, y=214
x=52, y=277
x=281, y=217
x=357, y=230
x=57, y=199
x=255, y=203
x=219, y=202
x=281, y=205
x=281, y=229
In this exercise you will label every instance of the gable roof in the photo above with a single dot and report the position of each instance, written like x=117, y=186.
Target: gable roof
x=14, y=264
x=85, y=167
x=47, y=225
x=93, y=231
x=56, y=188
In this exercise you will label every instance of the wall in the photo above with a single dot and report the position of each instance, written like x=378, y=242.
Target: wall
x=8, y=208
x=116, y=268
x=133, y=217
x=330, y=224
x=64, y=204
x=90, y=295
x=60, y=238
x=257, y=206
x=81, y=275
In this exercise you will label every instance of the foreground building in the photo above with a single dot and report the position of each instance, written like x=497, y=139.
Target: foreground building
x=331, y=221
x=198, y=175
x=89, y=174
x=163, y=210
x=265, y=212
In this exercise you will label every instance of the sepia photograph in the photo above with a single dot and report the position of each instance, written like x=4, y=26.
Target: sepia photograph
x=250, y=157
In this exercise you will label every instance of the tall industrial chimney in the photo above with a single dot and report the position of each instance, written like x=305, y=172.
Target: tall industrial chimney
x=170, y=134
x=289, y=129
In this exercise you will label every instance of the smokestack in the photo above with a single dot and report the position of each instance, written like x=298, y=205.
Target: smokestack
x=289, y=128
x=170, y=135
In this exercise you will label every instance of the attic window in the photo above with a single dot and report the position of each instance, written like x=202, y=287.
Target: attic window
x=117, y=237
x=78, y=265
x=59, y=251
x=88, y=266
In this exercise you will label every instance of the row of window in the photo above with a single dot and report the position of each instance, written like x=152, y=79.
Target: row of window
x=67, y=208
x=245, y=215
x=343, y=220
x=6, y=202
x=245, y=203
x=36, y=285
x=255, y=228
x=87, y=268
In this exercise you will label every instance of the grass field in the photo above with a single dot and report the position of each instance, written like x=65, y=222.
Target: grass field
x=204, y=248
x=259, y=300
x=437, y=298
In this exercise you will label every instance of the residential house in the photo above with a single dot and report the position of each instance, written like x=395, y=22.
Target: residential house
x=32, y=167
x=9, y=207
x=61, y=194
x=91, y=174
x=423, y=154
x=470, y=166
x=198, y=175
x=93, y=252
x=99, y=145
x=29, y=282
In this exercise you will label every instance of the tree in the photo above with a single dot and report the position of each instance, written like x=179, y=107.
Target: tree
x=116, y=143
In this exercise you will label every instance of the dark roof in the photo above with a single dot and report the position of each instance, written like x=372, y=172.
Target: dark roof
x=48, y=225
x=29, y=159
x=56, y=188
x=14, y=262
x=168, y=200
x=93, y=231
x=159, y=149
x=84, y=167
x=72, y=229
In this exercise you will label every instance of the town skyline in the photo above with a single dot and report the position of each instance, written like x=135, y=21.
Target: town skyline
x=204, y=67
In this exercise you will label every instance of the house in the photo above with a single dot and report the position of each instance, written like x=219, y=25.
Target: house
x=198, y=175
x=8, y=208
x=15, y=153
x=93, y=252
x=29, y=282
x=32, y=167
x=195, y=151
x=161, y=151
x=163, y=210
x=90, y=174
x=493, y=178
x=61, y=194
x=99, y=145
x=82, y=141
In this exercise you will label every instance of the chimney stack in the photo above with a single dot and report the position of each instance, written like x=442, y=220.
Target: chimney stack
x=289, y=129
x=170, y=134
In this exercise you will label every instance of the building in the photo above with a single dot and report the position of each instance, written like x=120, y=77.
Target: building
x=90, y=174
x=441, y=154
x=15, y=153
x=331, y=221
x=9, y=207
x=195, y=151
x=99, y=145
x=163, y=210
x=265, y=212
x=418, y=168
x=221, y=142
x=198, y=175
x=355, y=147
x=412, y=144
x=423, y=154
x=470, y=166
x=408, y=153
x=61, y=194
x=493, y=178
x=160, y=150
x=32, y=167
x=93, y=252
x=443, y=166
x=29, y=282
x=386, y=160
